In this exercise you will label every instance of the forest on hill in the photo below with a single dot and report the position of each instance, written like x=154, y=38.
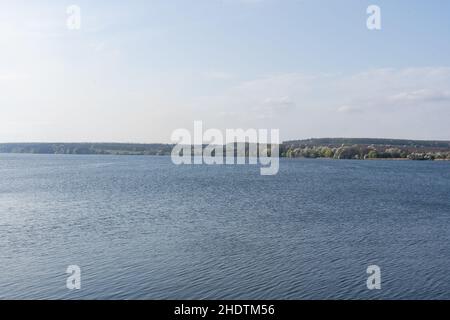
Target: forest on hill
x=336, y=148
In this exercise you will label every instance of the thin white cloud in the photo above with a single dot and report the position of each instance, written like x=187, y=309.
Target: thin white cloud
x=396, y=102
x=421, y=95
x=373, y=89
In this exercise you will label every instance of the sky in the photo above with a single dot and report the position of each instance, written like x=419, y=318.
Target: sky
x=135, y=71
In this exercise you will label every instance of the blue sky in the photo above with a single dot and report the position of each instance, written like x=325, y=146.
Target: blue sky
x=137, y=70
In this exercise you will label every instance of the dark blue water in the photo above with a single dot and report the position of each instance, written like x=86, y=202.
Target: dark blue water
x=141, y=227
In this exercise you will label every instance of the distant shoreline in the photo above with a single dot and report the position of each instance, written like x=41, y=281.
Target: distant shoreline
x=167, y=155
x=332, y=148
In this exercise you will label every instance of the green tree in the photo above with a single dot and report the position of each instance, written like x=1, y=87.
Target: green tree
x=373, y=154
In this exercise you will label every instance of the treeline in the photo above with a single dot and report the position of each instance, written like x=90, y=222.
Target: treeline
x=360, y=148
x=87, y=148
x=337, y=142
x=239, y=149
x=335, y=148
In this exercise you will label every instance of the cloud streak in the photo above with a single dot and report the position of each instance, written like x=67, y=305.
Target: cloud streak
x=384, y=102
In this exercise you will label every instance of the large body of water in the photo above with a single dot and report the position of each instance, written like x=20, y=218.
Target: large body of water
x=142, y=228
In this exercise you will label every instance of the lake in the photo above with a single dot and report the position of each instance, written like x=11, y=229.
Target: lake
x=141, y=227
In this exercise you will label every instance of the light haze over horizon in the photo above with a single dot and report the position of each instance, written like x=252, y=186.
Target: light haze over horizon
x=135, y=71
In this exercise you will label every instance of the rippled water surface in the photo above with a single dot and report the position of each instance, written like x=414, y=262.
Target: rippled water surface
x=140, y=227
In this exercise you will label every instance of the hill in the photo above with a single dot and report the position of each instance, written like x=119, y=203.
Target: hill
x=337, y=148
